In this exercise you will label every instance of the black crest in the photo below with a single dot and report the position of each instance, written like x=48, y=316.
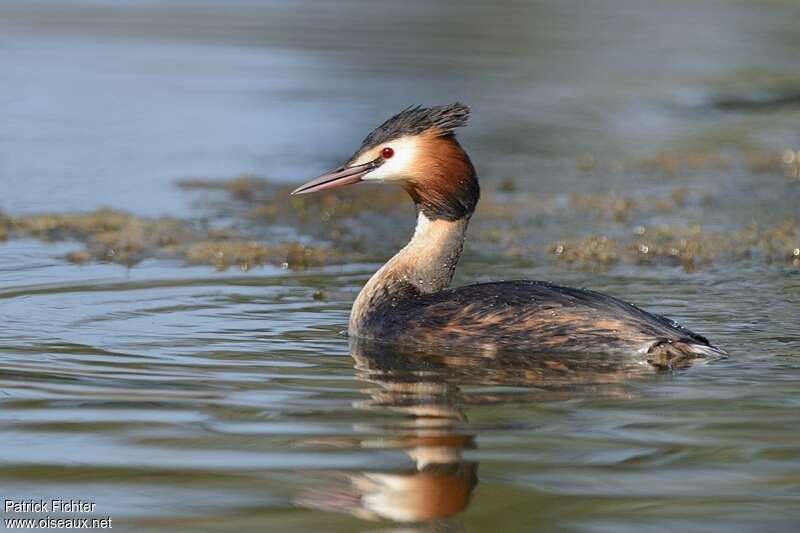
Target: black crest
x=415, y=120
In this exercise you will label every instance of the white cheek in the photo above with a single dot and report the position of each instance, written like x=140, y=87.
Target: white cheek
x=382, y=173
x=396, y=167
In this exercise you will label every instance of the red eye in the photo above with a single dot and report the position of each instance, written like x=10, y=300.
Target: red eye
x=387, y=152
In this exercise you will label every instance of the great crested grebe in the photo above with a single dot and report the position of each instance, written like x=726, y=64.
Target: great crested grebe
x=433, y=431
x=408, y=299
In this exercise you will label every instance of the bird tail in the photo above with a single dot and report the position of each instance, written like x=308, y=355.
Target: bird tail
x=680, y=353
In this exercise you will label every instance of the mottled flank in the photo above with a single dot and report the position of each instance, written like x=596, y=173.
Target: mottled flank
x=533, y=316
x=416, y=120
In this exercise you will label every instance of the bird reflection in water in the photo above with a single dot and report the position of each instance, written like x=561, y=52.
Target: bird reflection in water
x=431, y=390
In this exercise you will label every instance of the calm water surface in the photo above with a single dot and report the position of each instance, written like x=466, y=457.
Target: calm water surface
x=178, y=397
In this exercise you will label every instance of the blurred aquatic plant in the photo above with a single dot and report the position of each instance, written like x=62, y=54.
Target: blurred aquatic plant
x=118, y=237
x=5, y=224
x=592, y=253
x=243, y=227
x=249, y=254
x=690, y=247
x=791, y=162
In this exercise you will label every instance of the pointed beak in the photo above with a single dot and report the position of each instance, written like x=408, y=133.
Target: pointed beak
x=338, y=178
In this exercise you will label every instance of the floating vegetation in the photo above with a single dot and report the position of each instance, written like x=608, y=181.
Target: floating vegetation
x=5, y=224
x=671, y=164
x=109, y=235
x=688, y=247
x=785, y=163
x=616, y=206
x=791, y=163
x=767, y=99
x=63, y=226
x=780, y=243
x=678, y=164
x=257, y=222
x=249, y=254
x=622, y=208
x=117, y=237
x=507, y=185
x=241, y=188
x=592, y=253
x=79, y=257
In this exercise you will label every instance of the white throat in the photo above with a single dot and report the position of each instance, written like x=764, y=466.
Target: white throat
x=426, y=264
x=429, y=259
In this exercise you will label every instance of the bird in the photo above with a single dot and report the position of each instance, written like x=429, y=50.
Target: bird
x=437, y=480
x=409, y=299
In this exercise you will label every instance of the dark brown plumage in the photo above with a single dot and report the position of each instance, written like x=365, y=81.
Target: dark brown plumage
x=534, y=316
x=415, y=120
x=408, y=300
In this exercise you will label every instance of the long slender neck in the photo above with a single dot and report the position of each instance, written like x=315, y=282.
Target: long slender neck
x=424, y=266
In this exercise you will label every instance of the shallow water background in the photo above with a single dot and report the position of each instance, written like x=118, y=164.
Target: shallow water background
x=180, y=397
